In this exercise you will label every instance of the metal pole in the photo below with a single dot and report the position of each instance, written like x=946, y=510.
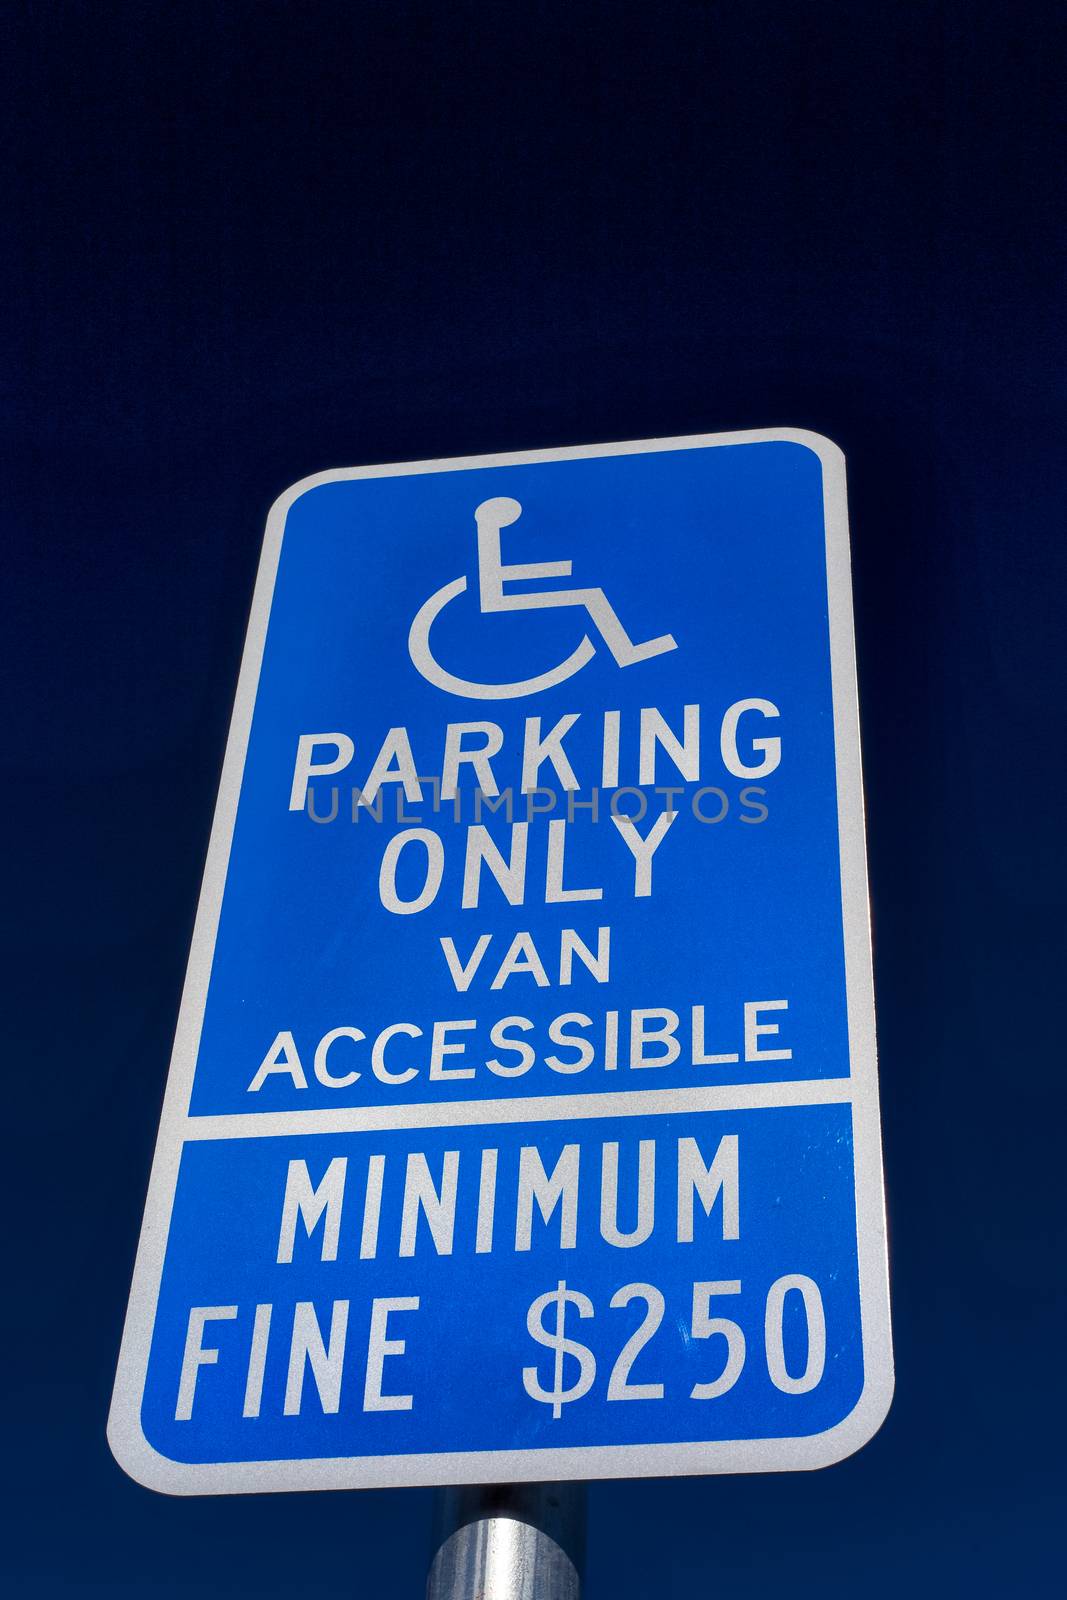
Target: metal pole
x=507, y=1541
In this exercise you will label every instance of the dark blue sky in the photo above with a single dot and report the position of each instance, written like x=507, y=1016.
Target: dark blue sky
x=249, y=241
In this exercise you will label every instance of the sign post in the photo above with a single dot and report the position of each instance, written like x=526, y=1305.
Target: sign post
x=509, y=1542
x=522, y=1123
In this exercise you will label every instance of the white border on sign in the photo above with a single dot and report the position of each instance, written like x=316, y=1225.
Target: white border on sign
x=128, y=1443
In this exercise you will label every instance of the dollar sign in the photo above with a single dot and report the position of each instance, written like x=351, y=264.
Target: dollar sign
x=535, y=1323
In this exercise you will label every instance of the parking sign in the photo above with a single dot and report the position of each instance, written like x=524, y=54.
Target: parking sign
x=522, y=1121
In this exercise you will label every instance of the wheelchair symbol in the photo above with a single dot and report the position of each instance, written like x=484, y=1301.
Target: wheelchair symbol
x=491, y=516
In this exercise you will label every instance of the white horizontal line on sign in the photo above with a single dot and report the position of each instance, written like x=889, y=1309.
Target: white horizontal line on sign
x=543, y=1108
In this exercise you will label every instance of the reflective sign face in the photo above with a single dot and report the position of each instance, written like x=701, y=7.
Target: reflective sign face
x=522, y=1121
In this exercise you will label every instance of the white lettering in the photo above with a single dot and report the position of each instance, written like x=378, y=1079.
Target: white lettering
x=306, y=768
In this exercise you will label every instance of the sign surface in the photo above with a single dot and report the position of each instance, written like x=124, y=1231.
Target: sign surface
x=522, y=1121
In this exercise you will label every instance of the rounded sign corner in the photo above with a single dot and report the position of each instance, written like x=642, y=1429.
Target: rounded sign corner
x=829, y=452
x=854, y=1432
x=142, y=1462
x=283, y=504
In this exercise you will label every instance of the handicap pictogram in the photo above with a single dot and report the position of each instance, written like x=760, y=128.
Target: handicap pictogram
x=490, y=517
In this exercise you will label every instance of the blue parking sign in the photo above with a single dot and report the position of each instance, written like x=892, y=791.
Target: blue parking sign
x=522, y=1122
